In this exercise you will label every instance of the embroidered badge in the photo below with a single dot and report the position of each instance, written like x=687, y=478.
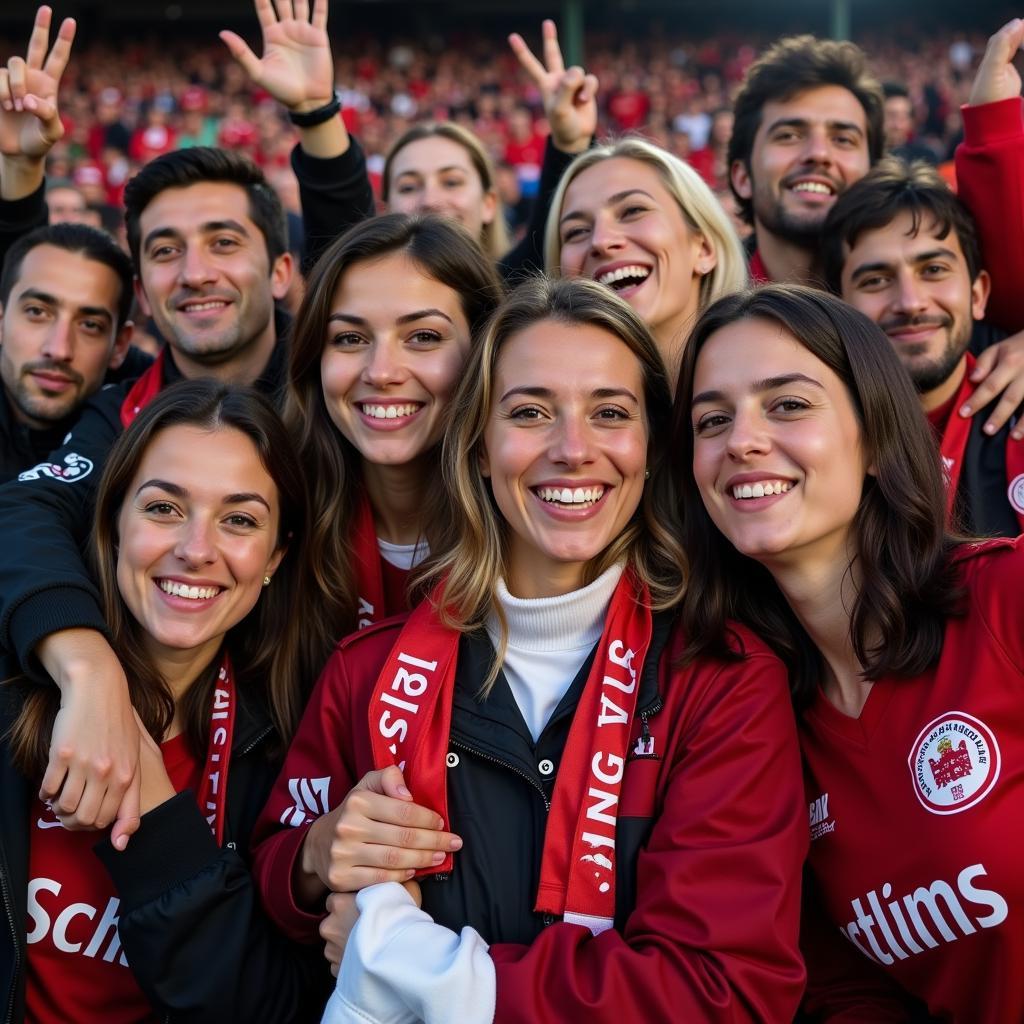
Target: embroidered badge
x=954, y=763
x=1016, y=493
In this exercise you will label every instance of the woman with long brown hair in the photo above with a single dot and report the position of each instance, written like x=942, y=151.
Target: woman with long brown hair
x=198, y=552
x=814, y=513
x=379, y=345
x=627, y=833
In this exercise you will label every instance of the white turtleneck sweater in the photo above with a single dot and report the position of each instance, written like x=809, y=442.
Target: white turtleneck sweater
x=399, y=966
x=549, y=638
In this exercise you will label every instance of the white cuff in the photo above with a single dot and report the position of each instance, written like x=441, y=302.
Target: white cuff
x=400, y=967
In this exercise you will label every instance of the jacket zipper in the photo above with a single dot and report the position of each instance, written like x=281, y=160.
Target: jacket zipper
x=254, y=742
x=504, y=764
x=8, y=907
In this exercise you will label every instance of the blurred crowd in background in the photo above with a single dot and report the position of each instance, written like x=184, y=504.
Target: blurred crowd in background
x=125, y=103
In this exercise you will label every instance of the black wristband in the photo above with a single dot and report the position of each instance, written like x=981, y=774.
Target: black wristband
x=311, y=118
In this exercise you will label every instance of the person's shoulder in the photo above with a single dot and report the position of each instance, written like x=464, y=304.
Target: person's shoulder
x=369, y=645
x=992, y=569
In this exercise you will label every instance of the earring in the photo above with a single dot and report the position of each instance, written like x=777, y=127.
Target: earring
x=647, y=474
x=266, y=581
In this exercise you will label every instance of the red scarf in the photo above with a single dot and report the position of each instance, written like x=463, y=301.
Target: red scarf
x=143, y=391
x=954, y=445
x=366, y=559
x=410, y=722
x=212, y=795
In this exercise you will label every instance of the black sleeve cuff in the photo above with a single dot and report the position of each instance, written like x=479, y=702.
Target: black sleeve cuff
x=46, y=612
x=315, y=170
x=26, y=213
x=173, y=844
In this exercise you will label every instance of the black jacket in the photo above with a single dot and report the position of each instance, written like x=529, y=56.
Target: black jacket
x=45, y=520
x=190, y=923
x=22, y=447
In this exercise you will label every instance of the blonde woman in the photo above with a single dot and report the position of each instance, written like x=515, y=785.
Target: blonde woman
x=627, y=832
x=643, y=223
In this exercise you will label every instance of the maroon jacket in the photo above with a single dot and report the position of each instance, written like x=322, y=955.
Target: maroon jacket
x=712, y=834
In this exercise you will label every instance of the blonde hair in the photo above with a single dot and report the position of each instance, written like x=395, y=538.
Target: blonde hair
x=701, y=210
x=494, y=238
x=473, y=545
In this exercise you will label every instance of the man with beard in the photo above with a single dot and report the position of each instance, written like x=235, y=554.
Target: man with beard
x=901, y=248
x=208, y=239
x=808, y=124
x=65, y=295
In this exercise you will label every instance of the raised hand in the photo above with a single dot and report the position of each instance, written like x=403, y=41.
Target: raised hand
x=997, y=78
x=569, y=95
x=29, y=122
x=296, y=67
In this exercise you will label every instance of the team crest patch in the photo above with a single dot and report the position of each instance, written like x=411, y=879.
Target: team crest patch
x=75, y=467
x=1016, y=493
x=954, y=763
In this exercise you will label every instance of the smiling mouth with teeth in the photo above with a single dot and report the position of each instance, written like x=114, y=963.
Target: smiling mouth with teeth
x=176, y=589
x=762, y=489
x=203, y=307
x=817, y=187
x=578, y=497
x=388, y=412
x=624, y=277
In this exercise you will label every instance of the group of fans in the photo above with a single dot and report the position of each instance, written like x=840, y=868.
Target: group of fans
x=618, y=625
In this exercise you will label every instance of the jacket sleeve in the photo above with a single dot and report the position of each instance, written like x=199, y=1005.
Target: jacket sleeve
x=45, y=517
x=714, y=934
x=20, y=216
x=335, y=193
x=527, y=257
x=316, y=776
x=990, y=181
x=194, y=933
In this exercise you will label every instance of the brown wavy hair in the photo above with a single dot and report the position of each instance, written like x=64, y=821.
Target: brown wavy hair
x=903, y=550
x=472, y=547
x=444, y=251
x=267, y=647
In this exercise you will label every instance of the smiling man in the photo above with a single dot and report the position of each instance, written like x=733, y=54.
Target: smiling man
x=808, y=124
x=65, y=294
x=901, y=248
x=208, y=239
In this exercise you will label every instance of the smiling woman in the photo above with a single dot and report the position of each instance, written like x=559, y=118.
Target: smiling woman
x=198, y=548
x=641, y=222
x=623, y=826
x=379, y=345
x=904, y=644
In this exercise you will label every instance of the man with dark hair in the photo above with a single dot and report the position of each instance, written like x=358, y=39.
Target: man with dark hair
x=65, y=296
x=210, y=253
x=808, y=124
x=899, y=126
x=900, y=247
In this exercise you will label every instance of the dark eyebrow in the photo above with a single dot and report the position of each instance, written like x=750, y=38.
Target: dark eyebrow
x=181, y=492
x=211, y=226
x=419, y=314
x=803, y=122
x=759, y=386
x=243, y=496
x=52, y=300
x=539, y=392
x=923, y=257
x=611, y=200
x=164, y=485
